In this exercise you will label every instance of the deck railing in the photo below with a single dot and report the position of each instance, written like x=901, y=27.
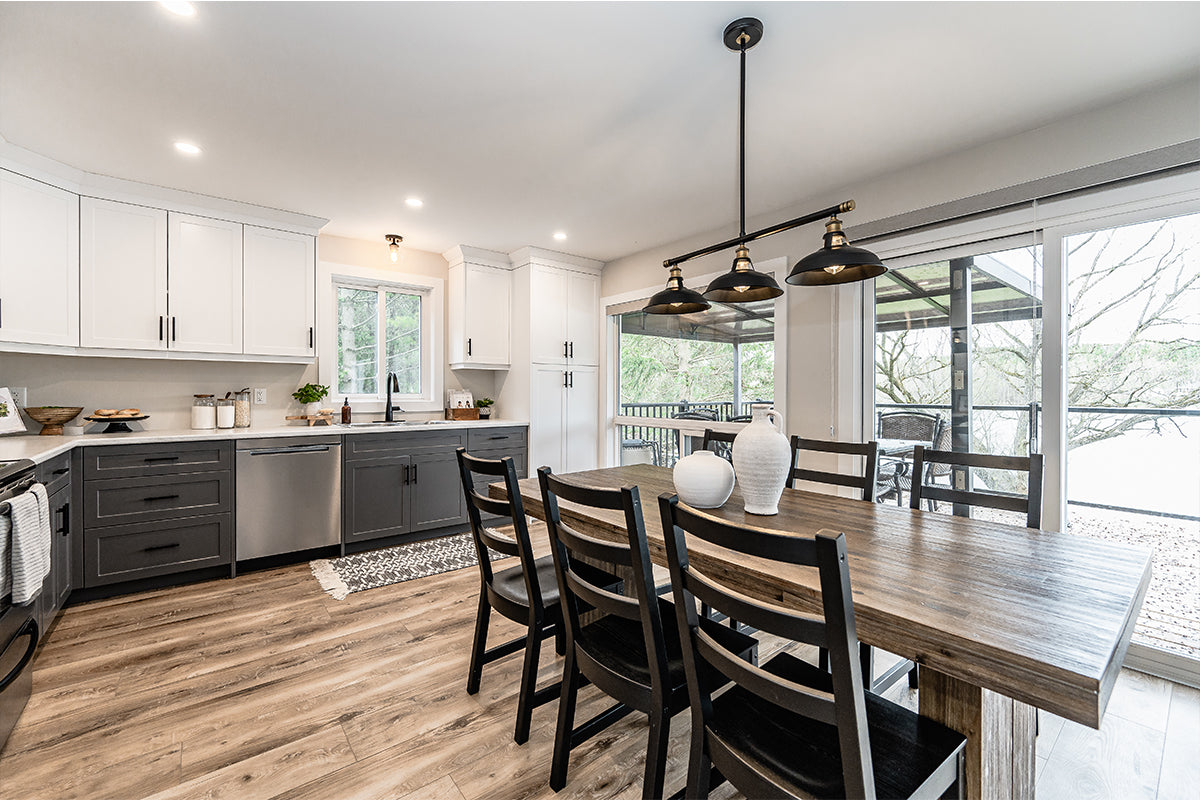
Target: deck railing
x=661, y=445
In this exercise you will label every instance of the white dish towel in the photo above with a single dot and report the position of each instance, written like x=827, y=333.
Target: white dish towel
x=28, y=543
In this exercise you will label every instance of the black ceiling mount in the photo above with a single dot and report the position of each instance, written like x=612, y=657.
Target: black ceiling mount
x=749, y=26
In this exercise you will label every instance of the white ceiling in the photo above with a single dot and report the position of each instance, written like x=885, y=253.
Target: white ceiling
x=615, y=122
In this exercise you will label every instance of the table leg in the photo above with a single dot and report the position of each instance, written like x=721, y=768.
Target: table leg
x=999, y=731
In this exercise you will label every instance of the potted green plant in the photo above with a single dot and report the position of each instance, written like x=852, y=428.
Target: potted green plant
x=310, y=396
x=484, y=404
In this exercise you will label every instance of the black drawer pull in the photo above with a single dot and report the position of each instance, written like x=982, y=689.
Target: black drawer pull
x=493, y=438
x=161, y=497
x=62, y=471
x=161, y=458
x=160, y=547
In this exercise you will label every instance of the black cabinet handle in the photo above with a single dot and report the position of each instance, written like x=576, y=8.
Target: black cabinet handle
x=572, y=355
x=310, y=336
x=160, y=458
x=414, y=473
x=571, y=385
x=160, y=327
x=565, y=349
x=65, y=530
x=172, y=329
x=406, y=474
x=160, y=547
x=160, y=497
x=62, y=471
x=564, y=379
x=468, y=346
x=494, y=438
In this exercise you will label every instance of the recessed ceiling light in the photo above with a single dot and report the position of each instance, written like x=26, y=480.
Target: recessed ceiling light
x=187, y=147
x=180, y=7
x=560, y=236
x=414, y=202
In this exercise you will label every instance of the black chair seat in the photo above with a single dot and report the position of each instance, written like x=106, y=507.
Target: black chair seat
x=619, y=645
x=510, y=583
x=803, y=754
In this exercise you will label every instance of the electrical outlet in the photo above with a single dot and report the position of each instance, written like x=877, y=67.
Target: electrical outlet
x=20, y=396
x=260, y=397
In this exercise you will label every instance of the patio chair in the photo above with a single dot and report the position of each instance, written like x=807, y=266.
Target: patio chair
x=917, y=426
x=639, y=451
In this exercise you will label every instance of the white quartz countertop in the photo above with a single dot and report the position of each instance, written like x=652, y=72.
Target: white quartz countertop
x=40, y=448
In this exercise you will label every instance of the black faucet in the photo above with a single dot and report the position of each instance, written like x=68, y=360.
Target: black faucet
x=393, y=385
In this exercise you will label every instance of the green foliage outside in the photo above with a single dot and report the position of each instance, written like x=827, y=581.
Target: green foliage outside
x=358, y=341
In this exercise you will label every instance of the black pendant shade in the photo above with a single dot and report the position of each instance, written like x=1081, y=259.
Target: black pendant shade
x=676, y=298
x=836, y=262
x=743, y=283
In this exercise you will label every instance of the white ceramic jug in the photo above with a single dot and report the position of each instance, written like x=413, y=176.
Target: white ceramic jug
x=761, y=460
x=703, y=479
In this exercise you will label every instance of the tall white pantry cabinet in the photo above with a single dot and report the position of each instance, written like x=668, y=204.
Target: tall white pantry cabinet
x=554, y=379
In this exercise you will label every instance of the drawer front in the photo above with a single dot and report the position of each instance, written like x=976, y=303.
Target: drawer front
x=495, y=438
x=126, y=500
x=128, y=552
x=134, y=461
x=364, y=446
x=55, y=473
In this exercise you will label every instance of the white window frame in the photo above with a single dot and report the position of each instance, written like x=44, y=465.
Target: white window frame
x=432, y=291
x=610, y=446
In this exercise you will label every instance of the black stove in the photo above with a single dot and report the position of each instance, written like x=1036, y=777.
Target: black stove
x=12, y=471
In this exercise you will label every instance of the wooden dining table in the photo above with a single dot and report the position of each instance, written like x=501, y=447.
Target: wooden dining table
x=1001, y=619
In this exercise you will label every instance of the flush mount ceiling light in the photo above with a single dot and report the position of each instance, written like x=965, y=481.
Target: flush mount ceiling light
x=560, y=236
x=188, y=148
x=414, y=202
x=837, y=262
x=394, y=241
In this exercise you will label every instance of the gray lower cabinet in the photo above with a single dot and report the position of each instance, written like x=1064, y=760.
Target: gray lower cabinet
x=436, y=492
x=154, y=510
x=375, y=498
x=55, y=475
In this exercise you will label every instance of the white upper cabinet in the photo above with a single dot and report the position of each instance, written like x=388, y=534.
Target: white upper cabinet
x=279, y=277
x=39, y=262
x=478, y=308
x=548, y=287
x=123, y=276
x=204, y=259
x=583, y=319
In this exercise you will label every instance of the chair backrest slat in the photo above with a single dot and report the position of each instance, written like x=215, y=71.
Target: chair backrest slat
x=792, y=696
x=866, y=482
x=1030, y=504
x=580, y=544
x=602, y=599
x=711, y=436
x=477, y=505
x=788, y=624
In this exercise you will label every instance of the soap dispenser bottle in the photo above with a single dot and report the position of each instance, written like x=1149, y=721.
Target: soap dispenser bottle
x=346, y=411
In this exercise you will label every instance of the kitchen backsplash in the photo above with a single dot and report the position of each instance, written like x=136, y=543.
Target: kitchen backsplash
x=163, y=388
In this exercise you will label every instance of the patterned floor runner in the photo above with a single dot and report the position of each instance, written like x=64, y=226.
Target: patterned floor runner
x=343, y=576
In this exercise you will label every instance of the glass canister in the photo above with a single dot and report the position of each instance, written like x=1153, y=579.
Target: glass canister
x=225, y=413
x=204, y=412
x=241, y=409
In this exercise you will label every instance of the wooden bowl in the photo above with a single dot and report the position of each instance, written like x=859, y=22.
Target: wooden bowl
x=53, y=417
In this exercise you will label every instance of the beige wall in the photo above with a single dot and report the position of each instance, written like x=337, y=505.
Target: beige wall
x=164, y=388
x=825, y=320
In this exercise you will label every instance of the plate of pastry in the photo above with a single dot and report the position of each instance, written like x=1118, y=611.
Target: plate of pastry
x=116, y=418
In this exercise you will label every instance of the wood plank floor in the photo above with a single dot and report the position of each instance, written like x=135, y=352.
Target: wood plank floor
x=265, y=687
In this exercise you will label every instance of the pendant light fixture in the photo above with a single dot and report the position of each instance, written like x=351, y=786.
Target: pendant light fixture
x=394, y=241
x=743, y=283
x=837, y=262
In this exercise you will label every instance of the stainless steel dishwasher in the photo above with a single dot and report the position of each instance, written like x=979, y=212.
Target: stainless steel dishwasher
x=289, y=495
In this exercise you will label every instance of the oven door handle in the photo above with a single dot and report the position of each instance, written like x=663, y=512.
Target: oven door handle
x=31, y=628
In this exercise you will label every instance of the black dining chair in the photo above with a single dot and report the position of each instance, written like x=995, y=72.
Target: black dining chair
x=631, y=649
x=865, y=483
x=526, y=593
x=786, y=728
x=1029, y=504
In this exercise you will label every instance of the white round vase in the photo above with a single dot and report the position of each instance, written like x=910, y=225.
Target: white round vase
x=703, y=479
x=761, y=459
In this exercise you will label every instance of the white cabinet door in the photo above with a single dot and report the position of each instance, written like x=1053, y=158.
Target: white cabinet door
x=548, y=309
x=205, y=284
x=279, y=275
x=547, y=419
x=582, y=423
x=486, y=314
x=122, y=275
x=583, y=313
x=39, y=262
